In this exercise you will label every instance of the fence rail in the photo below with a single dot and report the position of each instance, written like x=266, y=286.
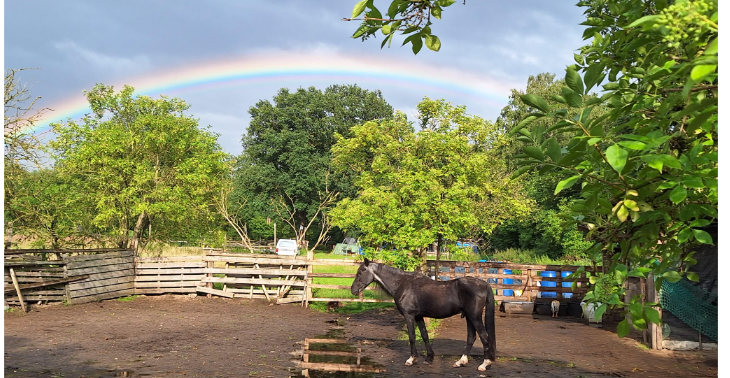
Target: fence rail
x=81, y=276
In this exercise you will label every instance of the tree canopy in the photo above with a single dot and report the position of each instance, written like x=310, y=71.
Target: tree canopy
x=142, y=162
x=416, y=187
x=284, y=171
x=647, y=168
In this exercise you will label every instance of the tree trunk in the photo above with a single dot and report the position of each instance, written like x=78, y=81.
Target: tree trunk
x=142, y=222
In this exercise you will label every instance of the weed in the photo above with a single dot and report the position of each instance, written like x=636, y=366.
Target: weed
x=128, y=298
x=432, y=328
x=9, y=310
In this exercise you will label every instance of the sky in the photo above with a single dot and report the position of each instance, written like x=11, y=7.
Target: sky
x=222, y=57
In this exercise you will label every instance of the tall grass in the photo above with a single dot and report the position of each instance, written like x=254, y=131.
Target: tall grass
x=528, y=256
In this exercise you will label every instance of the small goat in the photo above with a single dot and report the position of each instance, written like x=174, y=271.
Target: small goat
x=555, y=306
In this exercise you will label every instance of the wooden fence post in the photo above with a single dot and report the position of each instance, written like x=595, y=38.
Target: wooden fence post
x=17, y=289
x=655, y=330
x=308, y=288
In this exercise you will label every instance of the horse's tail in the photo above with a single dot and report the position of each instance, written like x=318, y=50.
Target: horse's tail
x=489, y=324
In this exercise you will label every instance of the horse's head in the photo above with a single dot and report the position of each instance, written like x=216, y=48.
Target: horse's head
x=363, y=278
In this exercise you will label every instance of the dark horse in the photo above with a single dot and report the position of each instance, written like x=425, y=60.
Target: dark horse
x=418, y=296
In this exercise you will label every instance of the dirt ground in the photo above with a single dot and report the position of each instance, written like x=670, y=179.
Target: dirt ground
x=180, y=336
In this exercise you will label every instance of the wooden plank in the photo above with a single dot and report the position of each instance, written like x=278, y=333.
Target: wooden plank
x=252, y=281
x=22, y=273
x=342, y=287
x=51, y=283
x=163, y=284
x=181, y=264
x=171, y=290
x=254, y=271
x=149, y=260
x=260, y=261
x=9, y=252
x=331, y=367
x=90, y=283
x=214, y=292
x=101, y=256
x=17, y=289
x=154, y=271
x=102, y=296
x=102, y=269
x=335, y=262
x=102, y=290
x=31, y=263
x=185, y=277
x=289, y=299
x=97, y=263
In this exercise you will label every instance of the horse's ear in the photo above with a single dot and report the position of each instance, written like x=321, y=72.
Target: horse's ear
x=366, y=261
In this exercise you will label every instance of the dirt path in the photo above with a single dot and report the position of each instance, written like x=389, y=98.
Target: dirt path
x=178, y=336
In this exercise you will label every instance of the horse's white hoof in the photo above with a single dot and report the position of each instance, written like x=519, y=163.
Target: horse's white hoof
x=410, y=361
x=462, y=361
x=484, y=365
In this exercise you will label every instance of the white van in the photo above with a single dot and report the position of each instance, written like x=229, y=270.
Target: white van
x=287, y=247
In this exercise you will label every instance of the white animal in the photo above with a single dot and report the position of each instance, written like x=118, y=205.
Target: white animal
x=555, y=306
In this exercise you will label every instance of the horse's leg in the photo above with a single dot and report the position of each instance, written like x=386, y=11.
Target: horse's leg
x=411, y=339
x=471, y=336
x=424, y=335
x=479, y=326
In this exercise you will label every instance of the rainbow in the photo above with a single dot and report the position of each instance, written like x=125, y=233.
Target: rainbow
x=289, y=67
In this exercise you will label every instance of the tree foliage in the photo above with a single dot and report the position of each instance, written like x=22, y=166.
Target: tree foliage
x=22, y=147
x=142, y=162
x=416, y=187
x=284, y=172
x=648, y=168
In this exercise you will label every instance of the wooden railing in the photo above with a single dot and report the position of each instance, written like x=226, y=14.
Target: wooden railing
x=529, y=285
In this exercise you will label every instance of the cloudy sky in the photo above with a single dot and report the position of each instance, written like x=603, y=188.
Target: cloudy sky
x=224, y=56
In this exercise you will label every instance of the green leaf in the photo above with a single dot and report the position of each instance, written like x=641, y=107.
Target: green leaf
x=558, y=98
x=684, y=235
x=678, y=194
x=433, y=42
x=672, y=276
x=632, y=144
x=572, y=78
x=623, y=328
x=554, y=150
x=359, y=8
x=711, y=47
x=417, y=44
x=702, y=236
x=534, y=152
x=611, y=86
x=701, y=71
x=522, y=124
x=659, y=161
x=592, y=75
x=575, y=100
x=520, y=172
x=692, y=276
x=623, y=213
x=652, y=315
x=601, y=310
x=567, y=183
x=616, y=157
x=700, y=223
x=646, y=21
x=436, y=12
x=536, y=102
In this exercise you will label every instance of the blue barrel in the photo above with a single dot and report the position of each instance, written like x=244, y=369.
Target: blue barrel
x=548, y=273
x=549, y=284
x=507, y=281
x=507, y=292
x=566, y=274
x=548, y=294
x=567, y=295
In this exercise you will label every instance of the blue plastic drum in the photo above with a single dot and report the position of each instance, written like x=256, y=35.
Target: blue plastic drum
x=548, y=294
x=567, y=295
x=507, y=292
x=507, y=281
x=566, y=274
x=548, y=273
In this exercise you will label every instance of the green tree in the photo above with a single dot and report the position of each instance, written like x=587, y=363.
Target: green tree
x=648, y=168
x=22, y=147
x=284, y=172
x=142, y=162
x=418, y=187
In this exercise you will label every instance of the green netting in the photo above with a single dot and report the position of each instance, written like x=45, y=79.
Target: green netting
x=343, y=249
x=695, y=307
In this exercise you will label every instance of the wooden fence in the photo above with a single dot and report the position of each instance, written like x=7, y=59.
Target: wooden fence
x=517, y=282
x=74, y=276
x=82, y=277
